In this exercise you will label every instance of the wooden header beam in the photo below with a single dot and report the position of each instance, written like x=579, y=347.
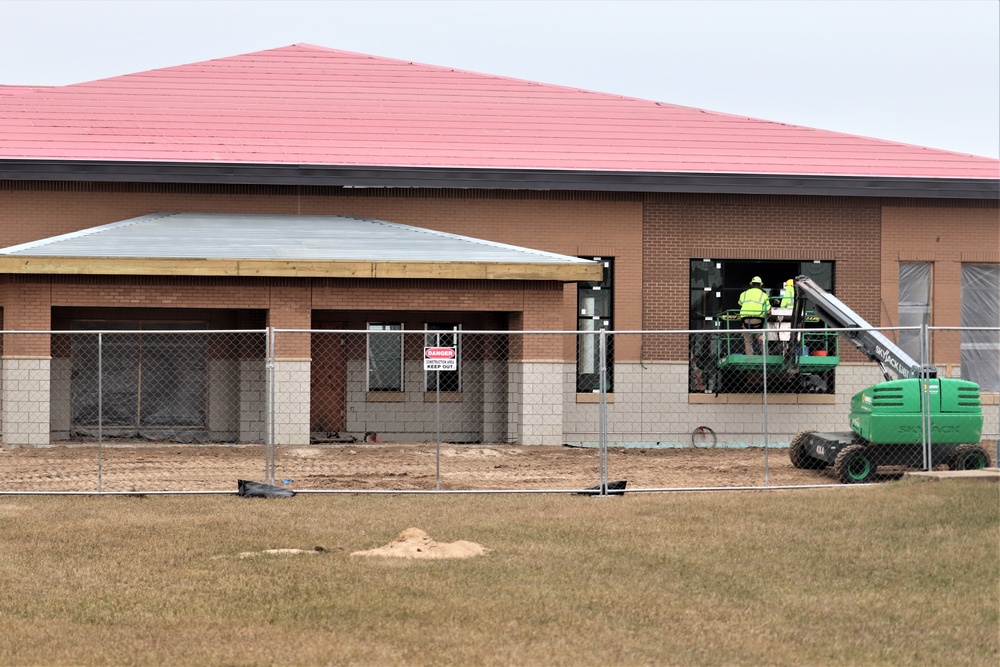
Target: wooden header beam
x=149, y=266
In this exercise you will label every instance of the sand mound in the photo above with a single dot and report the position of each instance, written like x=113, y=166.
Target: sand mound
x=415, y=543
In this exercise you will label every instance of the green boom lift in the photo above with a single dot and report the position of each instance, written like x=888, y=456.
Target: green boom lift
x=888, y=425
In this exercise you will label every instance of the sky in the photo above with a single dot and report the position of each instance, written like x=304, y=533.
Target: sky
x=920, y=72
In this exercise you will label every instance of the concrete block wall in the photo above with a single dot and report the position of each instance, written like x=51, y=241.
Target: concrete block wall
x=291, y=402
x=651, y=406
x=223, y=399
x=515, y=400
x=539, y=413
x=26, y=407
x=253, y=400
x=494, y=405
x=476, y=415
x=61, y=398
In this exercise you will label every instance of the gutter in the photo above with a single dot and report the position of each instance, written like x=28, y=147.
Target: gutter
x=497, y=179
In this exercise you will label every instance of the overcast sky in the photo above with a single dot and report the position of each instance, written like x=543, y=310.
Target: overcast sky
x=917, y=71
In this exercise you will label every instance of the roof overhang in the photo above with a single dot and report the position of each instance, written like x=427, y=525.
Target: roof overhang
x=497, y=179
x=244, y=245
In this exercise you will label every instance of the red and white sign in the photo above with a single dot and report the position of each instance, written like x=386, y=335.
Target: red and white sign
x=440, y=359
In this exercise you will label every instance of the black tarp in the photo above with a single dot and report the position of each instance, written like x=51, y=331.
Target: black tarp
x=248, y=489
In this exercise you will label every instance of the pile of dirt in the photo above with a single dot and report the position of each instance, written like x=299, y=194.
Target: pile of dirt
x=415, y=543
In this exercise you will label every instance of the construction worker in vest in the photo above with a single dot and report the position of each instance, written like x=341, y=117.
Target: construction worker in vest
x=754, y=307
x=788, y=294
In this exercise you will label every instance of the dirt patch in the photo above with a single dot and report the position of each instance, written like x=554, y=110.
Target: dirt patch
x=402, y=467
x=281, y=552
x=415, y=543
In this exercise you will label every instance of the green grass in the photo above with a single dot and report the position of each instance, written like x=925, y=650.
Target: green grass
x=903, y=573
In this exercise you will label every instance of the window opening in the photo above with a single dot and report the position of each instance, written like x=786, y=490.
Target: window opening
x=914, y=304
x=153, y=385
x=714, y=290
x=595, y=308
x=385, y=357
x=981, y=308
x=444, y=335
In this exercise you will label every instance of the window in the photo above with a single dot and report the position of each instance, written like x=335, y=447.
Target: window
x=981, y=308
x=914, y=304
x=385, y=357
x=594, y=312
x=715, y=286
x=444, y=335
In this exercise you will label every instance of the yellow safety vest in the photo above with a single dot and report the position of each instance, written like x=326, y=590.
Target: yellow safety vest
x=754, y=303
x=788, y=298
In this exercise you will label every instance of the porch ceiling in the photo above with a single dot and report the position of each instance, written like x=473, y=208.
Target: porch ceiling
x=329, y=246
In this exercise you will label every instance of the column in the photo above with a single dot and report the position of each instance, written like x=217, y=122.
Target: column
x=25, y=374
x=291, y=308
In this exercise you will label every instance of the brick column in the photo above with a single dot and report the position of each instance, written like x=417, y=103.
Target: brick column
x=537, y=367
x=25, y=374
x=291, y=308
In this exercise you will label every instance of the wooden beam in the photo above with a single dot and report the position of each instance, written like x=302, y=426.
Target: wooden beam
x=158, y=266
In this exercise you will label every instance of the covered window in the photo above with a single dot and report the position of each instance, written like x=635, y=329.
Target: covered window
x=153, y=384
x=385, y=357
x=594, y=312
x=914, y=304
x=981, y=308
x=444, y=335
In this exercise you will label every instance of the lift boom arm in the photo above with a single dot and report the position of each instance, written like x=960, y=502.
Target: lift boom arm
x=872, y=343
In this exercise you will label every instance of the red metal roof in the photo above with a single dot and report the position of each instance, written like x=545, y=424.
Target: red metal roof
x=310, y=105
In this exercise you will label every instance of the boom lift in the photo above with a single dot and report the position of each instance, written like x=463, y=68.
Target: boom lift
x=887, y=424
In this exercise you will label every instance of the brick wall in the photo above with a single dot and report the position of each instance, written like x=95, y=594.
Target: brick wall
x=578, y=225
x=651, y=237
x=946, y=237
x=678, y=228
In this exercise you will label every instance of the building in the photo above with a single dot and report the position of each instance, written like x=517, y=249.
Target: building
x=499, y=204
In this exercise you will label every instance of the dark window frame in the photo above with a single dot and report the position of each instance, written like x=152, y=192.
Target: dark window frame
x=451, y=381
x=595, y=311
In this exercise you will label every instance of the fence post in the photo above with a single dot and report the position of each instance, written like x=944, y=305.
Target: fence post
x=100, y=412
x=269, y=407
x=925, y=411
x=764, y=401
x=437, y=423
x=602, y=414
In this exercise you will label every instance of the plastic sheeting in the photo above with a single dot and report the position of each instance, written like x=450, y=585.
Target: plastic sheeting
x=914, y=304
x=153, y=385
x=248, y=489
x=981, y=308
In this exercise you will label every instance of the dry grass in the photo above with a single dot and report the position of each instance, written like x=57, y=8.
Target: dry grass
x=904, y=573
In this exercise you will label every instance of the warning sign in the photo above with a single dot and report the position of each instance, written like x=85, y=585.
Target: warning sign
x=440, y=359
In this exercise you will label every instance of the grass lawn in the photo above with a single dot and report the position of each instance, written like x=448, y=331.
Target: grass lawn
x=901, y=573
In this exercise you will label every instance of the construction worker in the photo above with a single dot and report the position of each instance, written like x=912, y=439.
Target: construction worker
x=754, y=307
x=788, y=294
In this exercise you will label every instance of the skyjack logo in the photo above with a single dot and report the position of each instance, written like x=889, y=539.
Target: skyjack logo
x=886, y=357
x=913, y=430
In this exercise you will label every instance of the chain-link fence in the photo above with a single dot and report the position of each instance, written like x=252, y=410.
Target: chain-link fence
x=444, y=409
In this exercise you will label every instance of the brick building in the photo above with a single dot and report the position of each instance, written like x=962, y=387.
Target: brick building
x=653, y=202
